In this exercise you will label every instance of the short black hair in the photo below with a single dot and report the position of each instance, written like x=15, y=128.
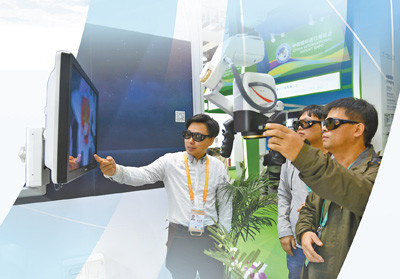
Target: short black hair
x=361, y=111
x=212, y=125
x=315, y=110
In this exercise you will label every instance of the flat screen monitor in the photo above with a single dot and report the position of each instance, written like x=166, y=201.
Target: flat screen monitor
x=71, y=120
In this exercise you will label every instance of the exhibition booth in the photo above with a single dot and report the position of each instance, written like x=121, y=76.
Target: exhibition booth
x=121, y=78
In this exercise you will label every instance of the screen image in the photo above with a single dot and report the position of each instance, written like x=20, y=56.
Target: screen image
x=307, y=47
x=82, y=122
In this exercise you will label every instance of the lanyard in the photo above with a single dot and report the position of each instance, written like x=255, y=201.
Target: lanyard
x=322, y=222
x=190, y=181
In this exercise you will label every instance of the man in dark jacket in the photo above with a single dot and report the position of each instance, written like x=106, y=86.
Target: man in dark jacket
x=292, y=191
x=340, y=186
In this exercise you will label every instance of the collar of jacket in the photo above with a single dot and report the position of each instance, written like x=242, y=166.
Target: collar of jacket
x=367, y=157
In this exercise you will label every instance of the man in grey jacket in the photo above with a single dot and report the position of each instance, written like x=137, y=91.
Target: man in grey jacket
x=292, y=191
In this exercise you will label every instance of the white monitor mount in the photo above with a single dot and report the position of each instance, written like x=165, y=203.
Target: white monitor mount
x=37, y=176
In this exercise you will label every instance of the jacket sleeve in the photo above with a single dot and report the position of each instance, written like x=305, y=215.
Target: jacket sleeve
x=308, y=216
x=284, y=203
x=224, y=204
x=333, y=182
x=138, y=176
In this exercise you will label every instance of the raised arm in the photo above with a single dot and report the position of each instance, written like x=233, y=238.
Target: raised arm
x=134, y=176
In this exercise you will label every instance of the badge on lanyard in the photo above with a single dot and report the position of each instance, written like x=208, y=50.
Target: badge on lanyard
x=196, y=223
x=197, y=214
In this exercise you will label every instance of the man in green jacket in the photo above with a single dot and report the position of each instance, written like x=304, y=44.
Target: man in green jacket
x=340, y=186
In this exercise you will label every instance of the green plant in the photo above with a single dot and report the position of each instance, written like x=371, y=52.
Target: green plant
x=252, y=209
x=252, y=206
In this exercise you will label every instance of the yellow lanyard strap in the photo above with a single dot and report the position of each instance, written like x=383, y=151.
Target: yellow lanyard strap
x=190, y=182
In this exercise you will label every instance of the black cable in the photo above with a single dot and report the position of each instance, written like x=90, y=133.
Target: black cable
x=244, y=94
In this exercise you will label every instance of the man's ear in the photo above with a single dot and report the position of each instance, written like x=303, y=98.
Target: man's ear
x=360, y=129
x=211, y=141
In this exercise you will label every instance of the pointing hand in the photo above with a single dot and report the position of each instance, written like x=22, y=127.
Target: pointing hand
x=107, y=165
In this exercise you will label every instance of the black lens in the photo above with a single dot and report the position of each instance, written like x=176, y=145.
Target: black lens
x=305, y=124
x=330, y=123
x=333, y=123
x=186, y=134
x=296, y=124
x=197, y=137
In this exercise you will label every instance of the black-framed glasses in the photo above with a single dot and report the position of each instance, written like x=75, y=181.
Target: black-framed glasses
x=305, y=124
x=332, y=123
x=196, y=136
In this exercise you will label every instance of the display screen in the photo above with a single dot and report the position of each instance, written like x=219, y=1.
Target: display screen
x=82, y=122
x=307, y=47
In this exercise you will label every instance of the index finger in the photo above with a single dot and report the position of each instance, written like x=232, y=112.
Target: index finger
x=272, y=132
x=293, y=243
x=98, y=158
x=275, y=126
x=309, y=250
x=313, y=256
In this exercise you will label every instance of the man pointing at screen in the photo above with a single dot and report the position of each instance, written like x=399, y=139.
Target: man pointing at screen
x=193, y=181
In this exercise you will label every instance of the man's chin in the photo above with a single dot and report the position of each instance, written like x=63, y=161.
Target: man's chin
x=325, y=144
